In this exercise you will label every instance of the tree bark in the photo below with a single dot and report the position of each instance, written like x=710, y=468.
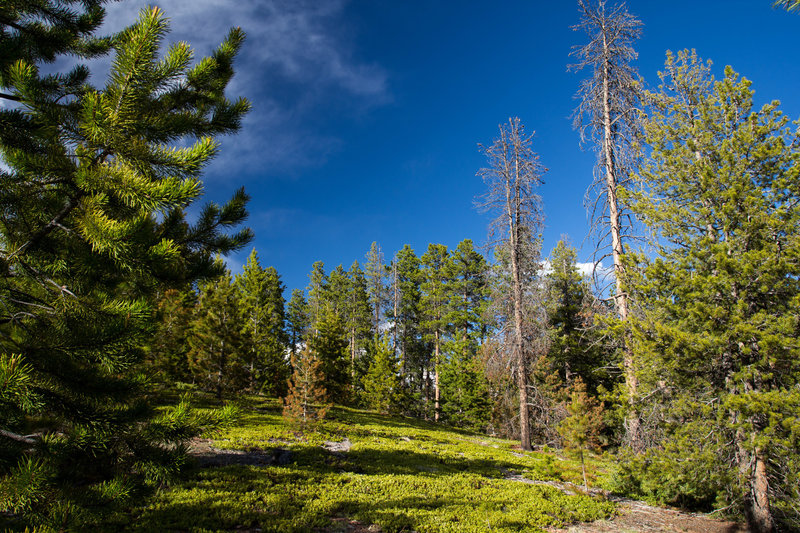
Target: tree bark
x=753, y=468
x=436, y=378
x=522, y=370
x=617, y=251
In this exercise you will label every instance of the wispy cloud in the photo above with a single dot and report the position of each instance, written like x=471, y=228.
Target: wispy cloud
x=585, y=269
x=296, y=57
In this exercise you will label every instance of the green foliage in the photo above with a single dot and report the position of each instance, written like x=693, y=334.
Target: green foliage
x=468, y=289
x=465, y=390
x=414, y=351
x=581, y=429
x=381, y=383
x=92, y=227
x=683, y=473
x=168, y=353
x=572, y=349
x=317, y=293
x=375, y=272
x=399, y=475
x=262, y=309
x=297, y=319
x=718, y=324
x=329, y=343
x=305, y=402
x=218, y=349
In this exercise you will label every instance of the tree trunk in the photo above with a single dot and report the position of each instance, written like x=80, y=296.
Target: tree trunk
x=394, y=304
x=353, y=352
x=583, y=471
x=753, y=469
x=522, y=370
x=617, y=252
x=436, y=377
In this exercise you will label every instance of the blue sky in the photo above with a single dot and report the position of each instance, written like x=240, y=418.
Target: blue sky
x=367, y=114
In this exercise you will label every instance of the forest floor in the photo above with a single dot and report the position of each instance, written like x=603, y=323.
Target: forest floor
x=362, y=472
x=639, y=517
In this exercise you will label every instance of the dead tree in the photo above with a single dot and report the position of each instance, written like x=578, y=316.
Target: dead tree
x=512, y=176
x=608, y=116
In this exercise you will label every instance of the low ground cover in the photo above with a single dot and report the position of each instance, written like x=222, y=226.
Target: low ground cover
x=394, y=474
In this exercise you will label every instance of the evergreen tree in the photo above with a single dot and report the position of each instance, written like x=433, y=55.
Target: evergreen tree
x=338, y=291
x=297, y=319
x=358, y=318
x=168, y=351
x=467, y=271
x=375, y=272
x=92, y=227
x=581, y=429
x=317, y=293
x=414, y=350
x=575, y=350
x=407, y=317
x=305, y=402
x=720, y=300
x=435, y=291
x=329, y=343
x=220, y=355
x=381, y=382
x=262, y=307
x=465, y=390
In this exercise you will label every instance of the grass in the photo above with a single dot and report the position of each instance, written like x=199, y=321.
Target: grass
x=400, y=474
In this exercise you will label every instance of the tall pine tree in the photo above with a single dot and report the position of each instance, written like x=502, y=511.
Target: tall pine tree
x=297, y=319
x=719, y=320
x=221, y=356
x=92, y=226
x=263, y=315
x=435, y=290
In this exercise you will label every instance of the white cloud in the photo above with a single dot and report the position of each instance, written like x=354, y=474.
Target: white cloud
x=586, y=269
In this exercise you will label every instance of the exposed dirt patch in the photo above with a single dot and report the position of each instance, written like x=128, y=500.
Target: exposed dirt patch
x=638, y=517
x=337, y=447
x=350, y=526
x=208, y=456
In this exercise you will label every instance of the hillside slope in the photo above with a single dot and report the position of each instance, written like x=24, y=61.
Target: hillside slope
x=359, y=471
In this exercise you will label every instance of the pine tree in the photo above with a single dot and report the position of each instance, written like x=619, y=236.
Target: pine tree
x=329, y=343
x=92, y=227
x=720, y=300
x=407, y=318
x=358, y=318
x=381, y=382
x=305, y=402
x=575, y=350
x=168, y=351
x=317, y=293
x=297, y=319
x=375, y=271
x=581, y=429
x=465, y=389
x=220, y=356
x=338, y=290
x=414, y=350
x=263, y=307
x=435, y=296
x=467, y=272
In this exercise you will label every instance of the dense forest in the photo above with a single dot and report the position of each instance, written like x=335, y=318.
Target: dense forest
x=118, y=311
